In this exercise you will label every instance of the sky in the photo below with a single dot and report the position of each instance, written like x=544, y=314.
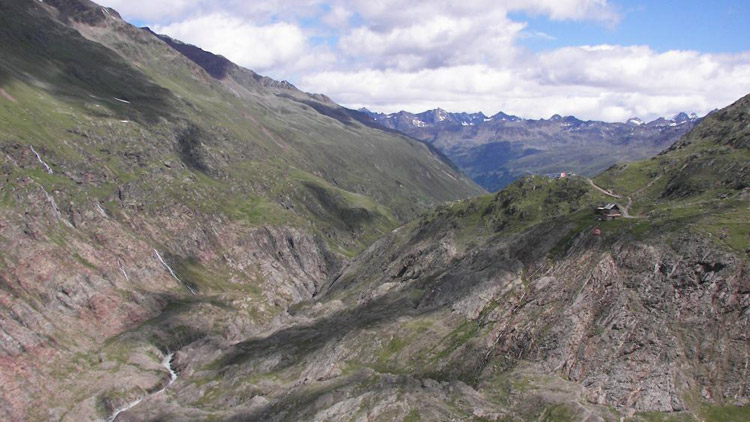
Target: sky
x=596, y=59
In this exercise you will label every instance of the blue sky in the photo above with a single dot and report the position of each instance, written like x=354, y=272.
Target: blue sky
x=596, y=59
x=720, y=26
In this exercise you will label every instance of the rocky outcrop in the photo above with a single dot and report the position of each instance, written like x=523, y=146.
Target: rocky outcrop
x=216, y=225
x=63, y=297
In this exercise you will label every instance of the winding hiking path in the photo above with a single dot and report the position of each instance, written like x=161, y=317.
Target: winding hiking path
x=602, y=190
x=624, y=208
x=651, y=183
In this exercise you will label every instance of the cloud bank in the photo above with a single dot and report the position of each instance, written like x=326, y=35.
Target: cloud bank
x=390, y=55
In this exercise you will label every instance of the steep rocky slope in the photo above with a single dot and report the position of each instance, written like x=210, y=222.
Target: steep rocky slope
x=511, y=307
x=146, y=204
x=497, y=150
x=151, y=209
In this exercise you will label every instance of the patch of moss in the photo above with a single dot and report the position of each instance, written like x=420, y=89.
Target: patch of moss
x=83, y=261
x=662, y=417
x=413, y=416
x=558, y=413
x=713, y=413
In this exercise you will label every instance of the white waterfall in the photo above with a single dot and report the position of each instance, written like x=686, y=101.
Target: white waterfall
x=39, y=158
x=124, y=409
x=172, y=272
x=101, y=210
x=122, y=268
x=167, y=363
x=52, y=202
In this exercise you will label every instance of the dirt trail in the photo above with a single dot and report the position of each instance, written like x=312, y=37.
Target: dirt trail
x=7, y=96
x=602, y=190
x=651, y=183
x=624, y=208
x=625, y=213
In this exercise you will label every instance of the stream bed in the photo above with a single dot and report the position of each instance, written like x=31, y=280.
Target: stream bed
x=167, y=363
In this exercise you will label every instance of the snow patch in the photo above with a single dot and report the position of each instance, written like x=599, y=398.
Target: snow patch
x=449, y=175
x=121, y=100
x=635, y=121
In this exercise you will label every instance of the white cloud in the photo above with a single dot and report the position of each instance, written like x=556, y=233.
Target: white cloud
x=153, y=10
x=599, y=10
x=386, y=14
x=464, y=56
x=338, y=17
x=610, y=83
x=435, y=42
x=260, y=48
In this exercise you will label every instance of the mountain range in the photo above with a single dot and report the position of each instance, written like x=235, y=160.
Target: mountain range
x=496, y=150
x=183, y=239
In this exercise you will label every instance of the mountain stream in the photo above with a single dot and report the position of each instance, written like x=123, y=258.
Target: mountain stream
x=167, y=363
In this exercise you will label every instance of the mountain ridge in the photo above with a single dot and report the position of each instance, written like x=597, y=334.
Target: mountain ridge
x=145, y=201
x=465, y=117
x=180, y=247
x=522, y=305
x=496, y=150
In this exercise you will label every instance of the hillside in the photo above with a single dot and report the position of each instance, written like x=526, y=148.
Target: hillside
x=510, y=308
x=186, y=240
x=497, y=150
x=137, y=187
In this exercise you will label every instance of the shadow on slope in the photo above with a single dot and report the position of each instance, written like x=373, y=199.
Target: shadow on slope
x=40, y=51
x=441, y=286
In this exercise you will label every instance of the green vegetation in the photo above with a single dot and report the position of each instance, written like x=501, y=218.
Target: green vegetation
x=523, y=204
x=700, y=185
x=413, y=416
x=662, y=417
x=183, y=154
x=558, y=413
x=254, y=154
x=713, y=413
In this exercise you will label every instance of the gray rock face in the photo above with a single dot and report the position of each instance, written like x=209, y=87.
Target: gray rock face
x=223, y=227
x=60, y=301
x=613, y=327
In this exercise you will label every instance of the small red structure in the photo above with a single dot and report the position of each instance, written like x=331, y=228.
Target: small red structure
x=597, y=232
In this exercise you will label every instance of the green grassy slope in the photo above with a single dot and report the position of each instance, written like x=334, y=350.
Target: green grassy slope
x=120, y=157
x=699, y=184
x=515, y=295
x=226, y=139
